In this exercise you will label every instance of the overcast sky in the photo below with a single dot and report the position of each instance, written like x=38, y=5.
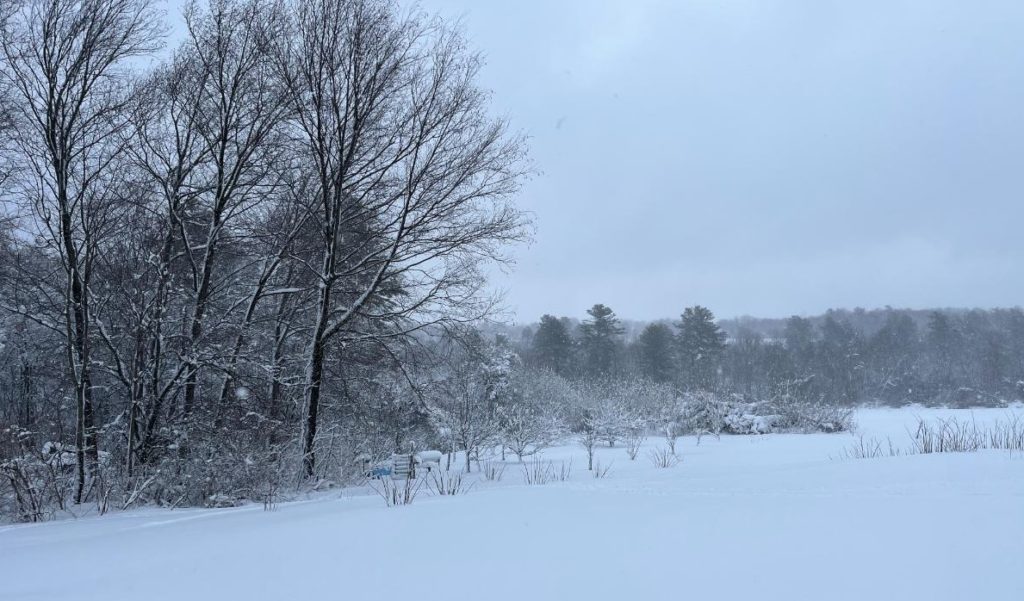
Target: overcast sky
x=762, y=157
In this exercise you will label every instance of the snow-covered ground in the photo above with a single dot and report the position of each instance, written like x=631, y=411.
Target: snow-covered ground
x=768, y=517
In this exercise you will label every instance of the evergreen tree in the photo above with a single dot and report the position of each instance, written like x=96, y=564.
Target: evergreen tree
x=893, y=354
x=655, y=355
x=1015, y=343
x=700, y=343
x=599, y=340
x=840, y=361
x=985, y=355
x=744, y=360
x=551, y=345
x=945, y=342
x=800, y=338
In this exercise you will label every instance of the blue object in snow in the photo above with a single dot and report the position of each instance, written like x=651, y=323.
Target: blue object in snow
x=380, y=471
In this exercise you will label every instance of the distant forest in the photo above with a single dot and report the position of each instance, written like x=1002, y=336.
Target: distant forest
x=891, y=356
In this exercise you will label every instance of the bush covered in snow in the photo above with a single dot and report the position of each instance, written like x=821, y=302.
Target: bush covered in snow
x=704, y=412
x=811, y=417
x=34, y=482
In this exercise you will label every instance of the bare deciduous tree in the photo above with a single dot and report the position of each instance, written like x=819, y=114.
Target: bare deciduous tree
x=411, y=176
x=64, y=62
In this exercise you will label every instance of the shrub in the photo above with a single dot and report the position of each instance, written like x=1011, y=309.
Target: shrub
x=34, y=482
x=704, y=412
x=672, y=432
x=525, y=429
x=543, y=472
x=564, y=471
x=870, y=449
x=447, y=483
x=819, y=417
x=493, y=471
x=537, y=472
x=663, y=458
x=397, y=492
x=947, y=436
x=635, y=437
x=1008, y=436
x=738, y=421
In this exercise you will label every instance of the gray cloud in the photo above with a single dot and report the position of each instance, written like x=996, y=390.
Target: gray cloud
x=761, y=157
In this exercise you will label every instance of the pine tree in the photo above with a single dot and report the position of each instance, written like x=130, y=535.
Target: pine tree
x=552, y=346
x=700, y=343
x=945, y=343
x=894, y=354
x=599, y=340
x=841, y=361
x=655, y=355
x=800, y=338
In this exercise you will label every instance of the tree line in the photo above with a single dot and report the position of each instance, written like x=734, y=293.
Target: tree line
x=957, y=357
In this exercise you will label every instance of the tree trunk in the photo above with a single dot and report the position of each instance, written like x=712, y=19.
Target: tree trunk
x=276, y=385
x=317, y=346
x=157, y=341
x=85, y=435
x=196, y=330
x=315, y=379
x=316, y=370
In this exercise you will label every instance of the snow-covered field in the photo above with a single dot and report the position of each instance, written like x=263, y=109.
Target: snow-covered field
x=768, y=517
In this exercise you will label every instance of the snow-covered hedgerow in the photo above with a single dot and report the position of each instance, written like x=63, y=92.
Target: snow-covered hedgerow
x=808, y=417
x=740, y=422
x=704, y=412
